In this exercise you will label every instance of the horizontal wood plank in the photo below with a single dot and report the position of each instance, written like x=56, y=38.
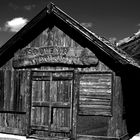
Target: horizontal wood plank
x=45, y=76
x=40, y=104
x=41, y=78
x=12, y=130
x=95, y=111
x=93, y=101
x=52, y=104
x=45, y=128
x=95, y=94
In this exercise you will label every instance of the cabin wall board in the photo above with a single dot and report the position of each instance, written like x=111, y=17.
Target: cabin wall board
x=13, y=108
x=12, y=123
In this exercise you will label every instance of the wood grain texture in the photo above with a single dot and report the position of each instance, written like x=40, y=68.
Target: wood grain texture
x=117, y=124
x=51, y=103
x=13, y=86
x=53, y=46
x=12, y=115
x=95, y=94
x=14, y=122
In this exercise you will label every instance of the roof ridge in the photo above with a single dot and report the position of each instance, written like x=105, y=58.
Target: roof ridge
x=56, y=14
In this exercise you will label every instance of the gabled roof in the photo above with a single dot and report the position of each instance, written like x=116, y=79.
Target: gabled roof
x=131, y=45
x=53, y=16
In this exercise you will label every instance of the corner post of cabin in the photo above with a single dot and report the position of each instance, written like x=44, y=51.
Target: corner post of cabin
x=117, y=125
x=112, y=127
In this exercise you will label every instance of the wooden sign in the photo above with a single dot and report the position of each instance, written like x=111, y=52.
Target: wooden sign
x=54, y=54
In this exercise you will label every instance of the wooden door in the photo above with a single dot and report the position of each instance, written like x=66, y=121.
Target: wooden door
x=51, y=104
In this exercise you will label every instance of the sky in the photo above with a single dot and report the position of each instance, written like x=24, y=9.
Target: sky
x=115, y=19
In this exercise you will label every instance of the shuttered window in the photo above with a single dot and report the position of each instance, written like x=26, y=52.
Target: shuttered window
x=12, y=87
x=95, y=97
x=95, y=94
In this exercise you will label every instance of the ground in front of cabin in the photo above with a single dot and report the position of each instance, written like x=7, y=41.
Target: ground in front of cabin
x=15, y=137
x=12, y=137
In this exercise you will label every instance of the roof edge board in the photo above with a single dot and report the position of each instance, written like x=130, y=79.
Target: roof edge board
x=51, y=12
x=92, y=37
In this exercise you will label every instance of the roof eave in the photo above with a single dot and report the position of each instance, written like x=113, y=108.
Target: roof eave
x=90, y=36
x=46, y=18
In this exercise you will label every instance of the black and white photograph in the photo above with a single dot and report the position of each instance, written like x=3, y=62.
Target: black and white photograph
x=69, y=69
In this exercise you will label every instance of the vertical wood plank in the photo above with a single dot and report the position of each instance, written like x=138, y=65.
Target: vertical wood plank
x=22, y=104
x=12, y=91
x=43, y=96
x=46, y=98
x=75, y=103
x=7, y=89
x=28, y=102
x=16, y=90
x=1, y=90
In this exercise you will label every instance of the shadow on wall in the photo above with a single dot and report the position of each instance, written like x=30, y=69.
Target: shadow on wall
x=131, y=91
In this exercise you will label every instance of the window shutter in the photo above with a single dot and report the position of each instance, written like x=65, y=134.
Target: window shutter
x=95, y=94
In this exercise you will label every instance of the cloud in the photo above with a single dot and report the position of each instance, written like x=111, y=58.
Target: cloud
x=29, y=7
x=87, y=24
x=15, y=24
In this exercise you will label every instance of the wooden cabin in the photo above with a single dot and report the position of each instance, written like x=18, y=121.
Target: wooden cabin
x=58, y=80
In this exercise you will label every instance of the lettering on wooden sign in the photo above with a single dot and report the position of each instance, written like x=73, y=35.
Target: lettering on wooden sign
x=53, y=54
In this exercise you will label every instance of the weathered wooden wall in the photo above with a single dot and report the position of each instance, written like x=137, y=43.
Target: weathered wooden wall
x=13, y=86
x=53, y=46
x=54, y=50
x=95, y=94
x=52, y=102
x=117, y=121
